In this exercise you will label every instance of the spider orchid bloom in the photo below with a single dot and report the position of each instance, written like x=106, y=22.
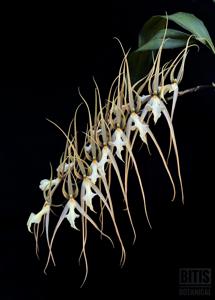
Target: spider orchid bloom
x=45, y=184
x=156, y=106
x=118, y=142
x=36, y=218
x=70, y=214
x=144, y=129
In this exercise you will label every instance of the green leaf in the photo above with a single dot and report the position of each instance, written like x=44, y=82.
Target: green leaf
x=153, y=30
x=194, y=25
x=150, y=29
x=152, y=33
x=174, y=39
x=139, y=64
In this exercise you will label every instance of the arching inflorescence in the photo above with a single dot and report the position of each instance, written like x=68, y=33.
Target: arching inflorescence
x=85, y=170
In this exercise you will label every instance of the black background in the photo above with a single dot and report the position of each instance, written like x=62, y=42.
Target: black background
x=47, y=51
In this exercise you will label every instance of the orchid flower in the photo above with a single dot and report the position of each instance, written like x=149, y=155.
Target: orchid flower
x=143, y=130
x=71, y=216
x=46, y=184
x=36, y=218
x=87, y=165
x=157, y=107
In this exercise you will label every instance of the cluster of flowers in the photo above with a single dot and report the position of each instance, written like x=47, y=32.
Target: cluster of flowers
x=85, y=172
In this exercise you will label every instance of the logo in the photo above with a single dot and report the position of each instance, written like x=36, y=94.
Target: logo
x=195, y=281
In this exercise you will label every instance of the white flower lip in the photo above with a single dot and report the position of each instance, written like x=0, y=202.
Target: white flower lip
x=88, y=194
x=104, y=159
x=36, y=218
x=45, y=183
x=142, y=127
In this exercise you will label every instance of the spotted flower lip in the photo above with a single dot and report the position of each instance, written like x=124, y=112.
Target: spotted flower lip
x=45, y=184
x=87, y=194
x=141, y=126
x=94, y=175
x=104, y=159
x=66, y=167
x=36, y=218
x=156, y=106
x=88, y=147
x=71, y=215
x=118, y=142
